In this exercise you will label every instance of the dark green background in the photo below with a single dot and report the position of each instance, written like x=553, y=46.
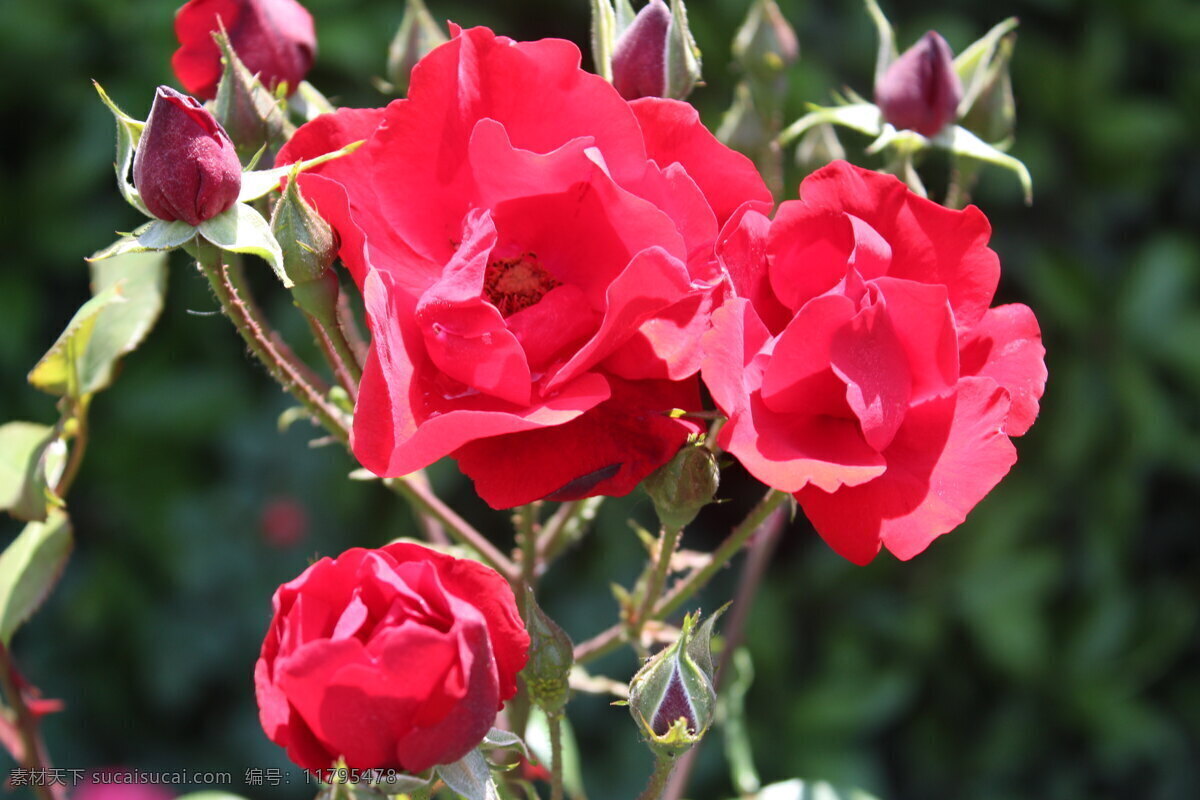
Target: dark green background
x=1046, y=649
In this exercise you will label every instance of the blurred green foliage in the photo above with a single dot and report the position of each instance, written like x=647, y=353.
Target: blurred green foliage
x=1049, y=648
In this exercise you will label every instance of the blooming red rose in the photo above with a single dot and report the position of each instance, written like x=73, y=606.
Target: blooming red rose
x=185, y=167
x=273, y=38
x=397, y=658
x=861, y=367
x=536, y=257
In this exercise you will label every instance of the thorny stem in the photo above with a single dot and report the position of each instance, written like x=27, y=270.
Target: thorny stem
x=668, y=540
x=663, y=765
x=612, y=638
x=554, y=722
x=33, y=755
x=525, y=523
x=284, y=367
x=421, y=496
x=563, y=526
x=337, y=352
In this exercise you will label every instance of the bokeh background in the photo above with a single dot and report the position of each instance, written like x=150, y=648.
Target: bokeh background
x=1048, y=648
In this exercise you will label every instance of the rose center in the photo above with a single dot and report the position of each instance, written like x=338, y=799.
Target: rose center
x=513, y=284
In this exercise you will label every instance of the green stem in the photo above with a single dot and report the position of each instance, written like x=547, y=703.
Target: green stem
x=33, y=756
x=421, y=496
x=554, y=721
x=612, y=638
x=346, y=371
x=565, y=526
x=525, y=523
x=663, y=765
x=229, y=287
x=668, y=540
x=78, y=447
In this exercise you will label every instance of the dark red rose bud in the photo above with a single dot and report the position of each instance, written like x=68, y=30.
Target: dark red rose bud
x=275, y=39
x=920, y=91
x=185, y=166
x=639, y=62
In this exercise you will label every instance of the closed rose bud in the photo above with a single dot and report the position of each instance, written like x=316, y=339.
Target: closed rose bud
x=551, y=656
x=920, y=91
x=656, y=55
x=185, y=167
x=672, y=697
x=418, y=34
x=683, y=486
x=766, y=44
x=275, y=39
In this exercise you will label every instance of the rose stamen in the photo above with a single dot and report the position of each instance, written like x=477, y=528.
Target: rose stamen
x=513, y=284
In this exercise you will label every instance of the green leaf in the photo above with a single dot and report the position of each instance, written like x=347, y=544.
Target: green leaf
x=258, y=183
x=862, y=117
x=241, y=229
x=141, y=280
x=129, y=131
x=469, y=777
x=962, y=142
x=972, y=63
x=154, y=235
x=797, y=789
x=887, y=52
x=58, y=372
x=29, y=568
x=22, y=469
x=500, y=739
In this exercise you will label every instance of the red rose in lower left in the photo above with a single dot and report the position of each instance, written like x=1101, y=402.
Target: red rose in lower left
x=396, y=658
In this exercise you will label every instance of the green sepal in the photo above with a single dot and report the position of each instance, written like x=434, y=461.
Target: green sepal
x=972, y=64
x=256, y=184
x=683, y=55
x=862, y=117
x=241, y=229
x=129, y=132
x=962, y=142
x=604, y=36
x=155, y=235
x=887, y=52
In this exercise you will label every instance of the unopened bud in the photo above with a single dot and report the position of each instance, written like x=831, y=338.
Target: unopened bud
x=274, y=38
x=766, y=44
x=249, y=113
x=418, y=34
x=672, y=697
x=551, y=655
x=656, y=55
x=185, y=167
x=920, y=91
x=308, y=243
x=683, y=486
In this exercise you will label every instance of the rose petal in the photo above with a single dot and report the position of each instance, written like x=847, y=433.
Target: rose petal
x=1006, y=346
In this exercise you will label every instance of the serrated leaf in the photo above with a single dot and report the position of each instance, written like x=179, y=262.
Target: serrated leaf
x=500, y=739
x=887, y=52
x=59, y=371
x=241, y=229
x=797, y=789
x=29, y=568
x=141, y=279
x=862, y=117
x=154, y=235
x=22, y=470
x=973, y=62
x=258, y=183
x=961, y=141
x=469, y=777
x=129, y=131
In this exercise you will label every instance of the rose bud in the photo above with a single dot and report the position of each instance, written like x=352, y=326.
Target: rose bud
x=920, y=91
x=766, y=44
x=656, y=55
x=683, y=486
x=672, y=697
x=551, y=656
x=274, y=39
x=418, y=34
x=185, y=167
x=397, y=658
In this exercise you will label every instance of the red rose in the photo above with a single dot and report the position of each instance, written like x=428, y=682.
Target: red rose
x=397, y=658
x=536, y=258
x=861, y=367
x=273, y=38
